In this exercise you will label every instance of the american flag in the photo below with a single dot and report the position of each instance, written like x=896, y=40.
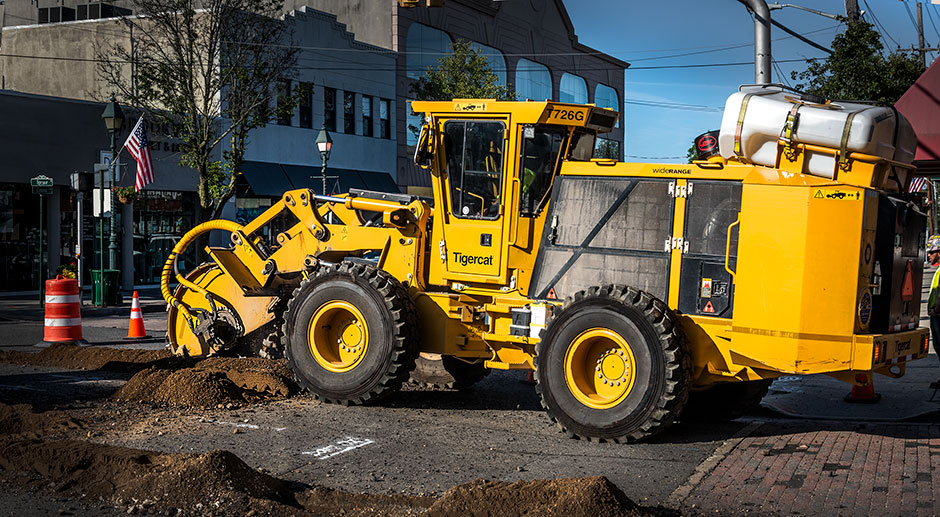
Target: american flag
x=137, y=144
x=917, y=184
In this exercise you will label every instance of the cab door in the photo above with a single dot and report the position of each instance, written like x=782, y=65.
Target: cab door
x=475, y=185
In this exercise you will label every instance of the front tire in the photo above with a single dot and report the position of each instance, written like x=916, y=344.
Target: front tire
x=612, y=365
x=351, y=334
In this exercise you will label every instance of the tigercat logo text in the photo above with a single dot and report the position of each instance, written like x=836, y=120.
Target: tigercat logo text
x=904, y=346
x=466, y=260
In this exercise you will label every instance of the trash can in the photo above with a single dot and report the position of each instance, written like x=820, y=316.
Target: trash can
x=107, y=292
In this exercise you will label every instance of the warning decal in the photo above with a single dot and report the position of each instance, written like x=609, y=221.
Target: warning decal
x=836, y=194
x=706, y=288
x=708, y=307
x=551, y=294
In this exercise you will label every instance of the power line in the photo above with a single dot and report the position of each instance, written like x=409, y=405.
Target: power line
x=930, y=16
x=673, y=105
x=883, y=32
x=910, y=15
x=365, y=67
x=656, y=157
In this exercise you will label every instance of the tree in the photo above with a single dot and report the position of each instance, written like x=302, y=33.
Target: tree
x=465, y=74
x=858, y=69
x=192, y=63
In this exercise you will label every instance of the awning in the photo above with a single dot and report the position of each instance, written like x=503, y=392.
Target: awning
x=266, y=179
x=272, y=179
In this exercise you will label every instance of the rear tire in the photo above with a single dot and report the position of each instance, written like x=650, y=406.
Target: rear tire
x=725, y=401
x=612, y=365
x=351, y=334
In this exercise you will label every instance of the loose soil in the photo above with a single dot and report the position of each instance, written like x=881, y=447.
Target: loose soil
x=74, y=357
x=162, y=378
x=218, y=482
x=212, y=382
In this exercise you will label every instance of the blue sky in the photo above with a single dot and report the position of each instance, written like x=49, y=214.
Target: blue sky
x=646, y=34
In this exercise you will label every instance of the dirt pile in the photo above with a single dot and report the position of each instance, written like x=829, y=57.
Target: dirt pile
x=212, y=382
x=20, y=420
x=75, y=357
x=216, y=482
x=594, y=496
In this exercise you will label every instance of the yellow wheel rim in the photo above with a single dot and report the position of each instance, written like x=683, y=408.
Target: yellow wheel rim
x=338, y=336
x=600, y=368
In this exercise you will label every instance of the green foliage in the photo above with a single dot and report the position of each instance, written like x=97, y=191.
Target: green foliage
x=195, y=63
x=690, y=154
x=465, y=74
x=858, y=69
x=607, y=149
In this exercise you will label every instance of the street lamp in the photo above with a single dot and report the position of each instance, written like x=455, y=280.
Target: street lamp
x=325, y=145
x=113, y=119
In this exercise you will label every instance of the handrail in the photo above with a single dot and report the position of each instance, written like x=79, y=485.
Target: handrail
x=728, y=249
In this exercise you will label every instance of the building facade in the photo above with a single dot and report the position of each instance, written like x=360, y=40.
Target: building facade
x=51, y=102
x=530, y=44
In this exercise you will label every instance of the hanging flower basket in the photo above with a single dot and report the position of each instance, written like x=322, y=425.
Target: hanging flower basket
x=125, y=195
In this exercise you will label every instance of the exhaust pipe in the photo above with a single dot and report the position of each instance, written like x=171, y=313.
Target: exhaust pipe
x=762, y=55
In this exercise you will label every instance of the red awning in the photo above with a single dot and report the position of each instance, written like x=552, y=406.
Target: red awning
x=921, y=105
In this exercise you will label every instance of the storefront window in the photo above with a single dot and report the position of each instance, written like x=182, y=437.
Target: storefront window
x=161, y=218
x=19, y=238
x=533, y=81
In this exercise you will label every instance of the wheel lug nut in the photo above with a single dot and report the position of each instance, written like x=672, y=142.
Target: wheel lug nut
x=604, y=381
x=597, y=368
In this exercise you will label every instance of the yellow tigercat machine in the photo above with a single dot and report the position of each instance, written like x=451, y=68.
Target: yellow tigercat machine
x=635, y=291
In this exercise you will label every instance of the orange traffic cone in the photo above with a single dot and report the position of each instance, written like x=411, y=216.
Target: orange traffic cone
x=135, y=329
x=863, y=390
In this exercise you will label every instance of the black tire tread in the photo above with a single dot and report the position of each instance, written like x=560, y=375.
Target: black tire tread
x=678, y=361
x=405, y=328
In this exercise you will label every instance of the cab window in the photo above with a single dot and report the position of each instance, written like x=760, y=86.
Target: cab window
x=473, y=152
x=539, y=158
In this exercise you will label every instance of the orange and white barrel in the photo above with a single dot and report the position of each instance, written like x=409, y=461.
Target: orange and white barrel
x=63, y=319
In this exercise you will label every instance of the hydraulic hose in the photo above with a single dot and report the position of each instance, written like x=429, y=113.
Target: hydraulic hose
x=170, y=264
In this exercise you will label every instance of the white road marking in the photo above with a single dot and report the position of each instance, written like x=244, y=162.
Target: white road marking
x=248, y=426
x=6, y=387
x=342, y=445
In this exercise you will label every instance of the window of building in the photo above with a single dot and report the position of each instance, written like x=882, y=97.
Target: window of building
x=284, y=111
x=607, y=149
x=606, y=97
x=473, y=152
x=539, y=158
x=329, y=109
x=533, y=81
x=349, y=113
x=413, y=121
x=495, y=59
x=385, y=130
x=366, y=115
x=305, y=103
x=423, y=47
x=572, y=89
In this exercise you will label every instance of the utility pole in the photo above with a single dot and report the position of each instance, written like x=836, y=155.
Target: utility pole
x=851, y=10
x=920, y=49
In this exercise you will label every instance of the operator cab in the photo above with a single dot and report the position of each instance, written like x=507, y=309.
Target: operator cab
x=493, y=166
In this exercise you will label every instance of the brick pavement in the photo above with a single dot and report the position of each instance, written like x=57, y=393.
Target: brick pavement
x=822, y=468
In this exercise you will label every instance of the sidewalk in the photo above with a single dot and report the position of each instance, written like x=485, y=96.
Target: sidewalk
x=26, y=307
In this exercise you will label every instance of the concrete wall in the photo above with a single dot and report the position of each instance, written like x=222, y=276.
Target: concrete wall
x=370, y=20
x=333, y=58
x=69, y=70
x=56, y=137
